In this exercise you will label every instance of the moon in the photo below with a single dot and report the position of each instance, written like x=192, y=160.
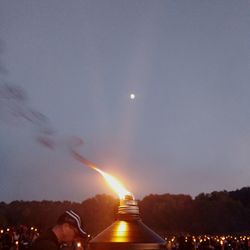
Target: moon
x=132, y=96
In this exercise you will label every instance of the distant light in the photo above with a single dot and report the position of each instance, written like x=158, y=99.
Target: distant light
x=79, y=244
x=132, y=96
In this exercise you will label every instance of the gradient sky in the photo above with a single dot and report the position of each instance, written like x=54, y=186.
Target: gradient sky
x=188, y=63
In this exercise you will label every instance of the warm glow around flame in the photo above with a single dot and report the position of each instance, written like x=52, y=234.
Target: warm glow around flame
x=112, y=181
x=114, y=184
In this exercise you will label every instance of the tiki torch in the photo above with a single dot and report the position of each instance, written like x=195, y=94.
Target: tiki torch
x=128, y=232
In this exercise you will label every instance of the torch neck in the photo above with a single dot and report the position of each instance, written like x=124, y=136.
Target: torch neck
x=128, y=210
x=128, y=217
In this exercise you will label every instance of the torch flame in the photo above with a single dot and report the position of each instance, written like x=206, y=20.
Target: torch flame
x=114, y=184
x=112, y=181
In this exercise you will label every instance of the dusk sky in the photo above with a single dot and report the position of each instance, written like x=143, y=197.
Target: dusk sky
x=187, y=130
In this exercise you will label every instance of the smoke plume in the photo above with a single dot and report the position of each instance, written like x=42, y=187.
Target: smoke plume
x=15, y=108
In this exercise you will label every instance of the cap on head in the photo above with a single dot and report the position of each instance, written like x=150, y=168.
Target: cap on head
x=73, y=219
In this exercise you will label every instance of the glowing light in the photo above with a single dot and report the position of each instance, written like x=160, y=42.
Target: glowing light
x=8, y=229
x=120, y=232
x=32, y=228
x=132, y=96
x=112, y=181
x=114, y=184
x=16, y=242
x=121, y=229
x=1, y=231
x=79, y=244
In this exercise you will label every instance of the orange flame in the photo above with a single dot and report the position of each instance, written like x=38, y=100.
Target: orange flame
x=116, y=185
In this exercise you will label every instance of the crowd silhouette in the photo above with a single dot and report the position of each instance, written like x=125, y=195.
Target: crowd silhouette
x=20, y=237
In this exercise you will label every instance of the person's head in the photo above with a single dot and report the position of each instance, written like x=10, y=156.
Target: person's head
x=69, y=227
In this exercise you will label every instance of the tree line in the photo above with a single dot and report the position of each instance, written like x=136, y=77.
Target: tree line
x=211, y=213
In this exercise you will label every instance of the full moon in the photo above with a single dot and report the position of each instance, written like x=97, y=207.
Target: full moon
x=132, y=96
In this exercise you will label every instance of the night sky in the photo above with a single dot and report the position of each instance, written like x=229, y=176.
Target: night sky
x=76, y=64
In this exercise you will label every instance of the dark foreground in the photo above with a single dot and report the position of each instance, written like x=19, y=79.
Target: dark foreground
x=22, y=237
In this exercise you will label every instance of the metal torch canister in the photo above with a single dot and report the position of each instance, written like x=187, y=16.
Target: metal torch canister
x=128, y=232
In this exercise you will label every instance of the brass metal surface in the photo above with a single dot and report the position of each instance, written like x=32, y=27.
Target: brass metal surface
x=122, y=234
